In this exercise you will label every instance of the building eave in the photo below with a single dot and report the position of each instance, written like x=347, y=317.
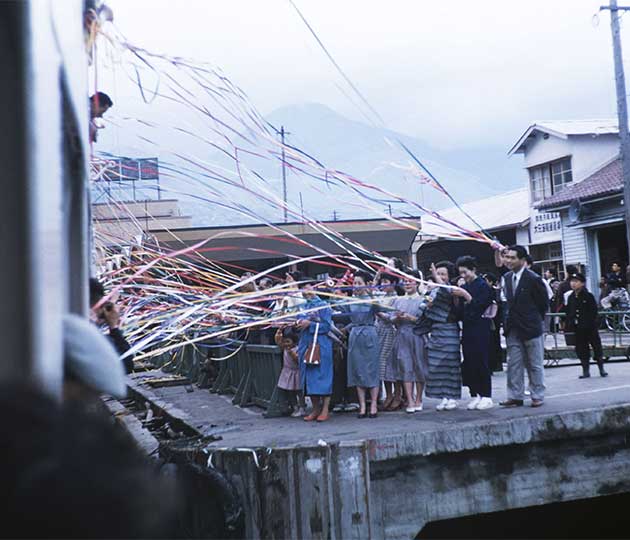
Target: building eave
x=585, y=200
x=516, y=149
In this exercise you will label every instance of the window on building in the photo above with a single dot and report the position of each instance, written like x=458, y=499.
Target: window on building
x=561, y=174
x=540, y=185
x=549, y=178
x=547, y=257
x=542, y=253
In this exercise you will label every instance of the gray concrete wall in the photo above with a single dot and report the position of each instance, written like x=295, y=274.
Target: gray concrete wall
x=393, y=487
x=373, y=480
x=411, y=492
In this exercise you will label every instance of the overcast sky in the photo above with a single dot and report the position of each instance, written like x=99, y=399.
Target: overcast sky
x=457, y=73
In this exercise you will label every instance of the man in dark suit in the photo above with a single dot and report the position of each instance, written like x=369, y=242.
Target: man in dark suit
x=582, y=319
x=525, y=307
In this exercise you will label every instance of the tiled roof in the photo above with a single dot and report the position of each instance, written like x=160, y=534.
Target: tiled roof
x=606, y=181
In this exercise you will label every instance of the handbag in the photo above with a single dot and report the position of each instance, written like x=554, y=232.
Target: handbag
x=491, y=311
x=312, y=356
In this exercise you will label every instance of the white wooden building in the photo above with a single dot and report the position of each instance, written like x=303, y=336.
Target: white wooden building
x=570, y=170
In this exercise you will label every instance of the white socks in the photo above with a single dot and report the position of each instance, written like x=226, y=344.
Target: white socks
x=485, y=403
x=472, y=404
x=442, y=405
x=447, y=405
x=480, y=403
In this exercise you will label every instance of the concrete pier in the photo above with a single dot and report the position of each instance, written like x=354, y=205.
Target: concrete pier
x=390, y=476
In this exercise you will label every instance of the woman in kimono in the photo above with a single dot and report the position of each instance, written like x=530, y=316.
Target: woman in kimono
x=314, y=323
x=409, y=354
x=476, y=334
x=386, y=331
x=445, y=377
x=363, y=345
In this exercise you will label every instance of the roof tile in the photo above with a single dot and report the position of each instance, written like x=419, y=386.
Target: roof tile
x=606, y=181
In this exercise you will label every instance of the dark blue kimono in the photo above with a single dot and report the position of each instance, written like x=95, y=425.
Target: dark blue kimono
x=476, y=338
x=316, y=380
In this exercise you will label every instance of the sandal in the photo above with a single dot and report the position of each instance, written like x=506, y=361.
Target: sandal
x=323, y=417
x=395, y=405
x=386, y=404
x=311, y=417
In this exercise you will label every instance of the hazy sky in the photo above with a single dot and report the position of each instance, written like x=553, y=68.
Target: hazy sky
x=456, y=73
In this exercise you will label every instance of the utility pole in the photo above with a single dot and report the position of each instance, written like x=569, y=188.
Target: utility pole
x=622, y=108
x=284, y=173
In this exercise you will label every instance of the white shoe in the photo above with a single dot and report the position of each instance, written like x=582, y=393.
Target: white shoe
x=297, y=413
x=410, y=410
x=339, y=408
x=485, y=403
x=450, y=405
x=442, y=404
x=473, y=403
x=418, y=408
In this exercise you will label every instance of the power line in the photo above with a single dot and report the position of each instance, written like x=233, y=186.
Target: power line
x=381, y=121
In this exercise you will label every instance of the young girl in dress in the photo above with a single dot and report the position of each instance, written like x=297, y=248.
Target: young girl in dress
x=386, y=332
x=289, y=379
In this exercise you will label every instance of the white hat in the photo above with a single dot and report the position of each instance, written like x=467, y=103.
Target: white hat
x=91, y=358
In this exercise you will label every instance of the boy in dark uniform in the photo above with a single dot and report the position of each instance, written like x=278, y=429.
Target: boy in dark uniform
x=581, y=318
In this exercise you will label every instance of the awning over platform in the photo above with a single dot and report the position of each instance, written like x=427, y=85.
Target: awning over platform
x=260, y=247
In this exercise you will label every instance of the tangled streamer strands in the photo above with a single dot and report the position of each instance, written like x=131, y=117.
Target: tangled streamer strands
x=217, y=150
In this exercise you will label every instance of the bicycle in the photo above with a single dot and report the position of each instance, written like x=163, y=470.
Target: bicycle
x=616, y=313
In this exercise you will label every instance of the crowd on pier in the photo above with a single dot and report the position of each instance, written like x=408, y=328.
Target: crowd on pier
x=379, y=342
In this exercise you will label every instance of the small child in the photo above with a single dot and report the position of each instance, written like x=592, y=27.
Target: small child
x=582, y=320
x=289, y=379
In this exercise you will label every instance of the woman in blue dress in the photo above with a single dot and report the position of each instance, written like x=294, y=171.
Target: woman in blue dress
x=314, y=322
x=363, y=345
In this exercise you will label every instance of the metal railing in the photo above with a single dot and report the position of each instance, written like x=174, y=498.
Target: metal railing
x=614, y=333
x=252, y=375
x=246, y=371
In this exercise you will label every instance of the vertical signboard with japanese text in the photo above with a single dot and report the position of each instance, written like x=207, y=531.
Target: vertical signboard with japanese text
x=545, y=227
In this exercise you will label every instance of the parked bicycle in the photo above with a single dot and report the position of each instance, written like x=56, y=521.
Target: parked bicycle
x=616, y=312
